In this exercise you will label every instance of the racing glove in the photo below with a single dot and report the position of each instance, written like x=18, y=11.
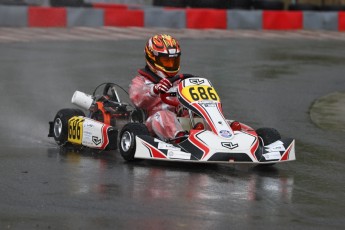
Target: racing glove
x=162, y=86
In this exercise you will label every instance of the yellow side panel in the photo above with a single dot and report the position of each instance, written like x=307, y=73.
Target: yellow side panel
x=75, y=130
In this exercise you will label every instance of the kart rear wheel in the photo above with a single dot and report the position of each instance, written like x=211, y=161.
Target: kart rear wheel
x=268, y=135
x=127, y=139
x=60, y=124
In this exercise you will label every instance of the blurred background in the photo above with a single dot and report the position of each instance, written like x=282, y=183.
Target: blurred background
x=312, y=5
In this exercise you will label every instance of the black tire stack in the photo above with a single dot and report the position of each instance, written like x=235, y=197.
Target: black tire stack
x=215, y=4
x=68, y=3
x=332, y=8
x=268, y=5
x=170, y=3
x=240, y=4
x=304, y=7
x=223, y=4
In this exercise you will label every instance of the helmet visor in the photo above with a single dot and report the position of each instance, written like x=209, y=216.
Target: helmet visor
x=169, y=63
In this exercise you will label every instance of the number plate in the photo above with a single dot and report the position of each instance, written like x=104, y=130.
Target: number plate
x=200, y=93
x=75, y=130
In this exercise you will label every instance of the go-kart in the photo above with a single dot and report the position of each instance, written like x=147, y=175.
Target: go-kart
x=99, y=130
x=209, y=137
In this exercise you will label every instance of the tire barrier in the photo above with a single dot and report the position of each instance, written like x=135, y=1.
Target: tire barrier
x=285, y=20
x=158, y=17
x=341, y=21
x=13, y=16
x=206, y=19
x=320, y=21
x=245, y=20
x=169, y=17
x=47, y=17
x=84, y=17
x=123, y=18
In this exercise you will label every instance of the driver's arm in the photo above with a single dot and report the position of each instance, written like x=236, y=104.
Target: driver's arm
x=140, y=93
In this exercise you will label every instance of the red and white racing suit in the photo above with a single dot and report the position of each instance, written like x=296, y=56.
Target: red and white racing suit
x=161, y=119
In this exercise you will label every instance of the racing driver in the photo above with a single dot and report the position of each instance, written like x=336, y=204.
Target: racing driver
x=162, y=54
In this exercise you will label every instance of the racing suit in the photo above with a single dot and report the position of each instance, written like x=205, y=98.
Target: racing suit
x=161, y=119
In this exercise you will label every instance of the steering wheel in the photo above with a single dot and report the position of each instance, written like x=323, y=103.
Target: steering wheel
x=164, y=96
x=112, y=95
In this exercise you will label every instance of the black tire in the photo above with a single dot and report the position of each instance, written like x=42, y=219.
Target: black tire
x=332, y=8
x=60, y=124
x=240, y=4
x=127, y=144
x=268, y=5
x=171, y=3
x=268, y=135
x=215, y=4
x=69, y=3
x=304, y=7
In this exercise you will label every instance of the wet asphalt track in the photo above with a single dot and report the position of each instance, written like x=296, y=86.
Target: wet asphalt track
x=270, y=82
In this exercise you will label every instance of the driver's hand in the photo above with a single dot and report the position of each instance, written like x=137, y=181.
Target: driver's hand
x=162, y=86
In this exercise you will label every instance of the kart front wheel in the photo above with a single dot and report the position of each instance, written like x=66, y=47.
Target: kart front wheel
x=127, y=139
x=268, y=135
x=60, y=124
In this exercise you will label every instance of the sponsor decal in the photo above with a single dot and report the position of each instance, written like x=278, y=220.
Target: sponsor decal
x=225, y=133
x=229, y=145
x=163, y=145
x=96, y=140
x=87, y=134
x=196, y=81
x=272, y=156
x=274, y=151
x=277, y=146
x=178, y=155
x=207, y=104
